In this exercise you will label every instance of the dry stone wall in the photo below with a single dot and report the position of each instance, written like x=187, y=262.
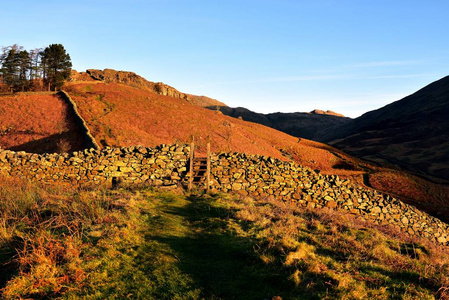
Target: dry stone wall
x=160, y=166
x=268, y=177
x=89, y=140
x=257, y=176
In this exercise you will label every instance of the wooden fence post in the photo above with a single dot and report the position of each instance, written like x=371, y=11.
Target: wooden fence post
x=192, y=155
x=208, y=166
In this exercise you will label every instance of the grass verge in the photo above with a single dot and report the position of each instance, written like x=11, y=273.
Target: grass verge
x=144, y=244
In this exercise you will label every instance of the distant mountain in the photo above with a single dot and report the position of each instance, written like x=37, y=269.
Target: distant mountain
x=304, y=125
x=326, y=112
x=412, y=133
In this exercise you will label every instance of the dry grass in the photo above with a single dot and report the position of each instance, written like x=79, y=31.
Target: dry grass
x=329, y=255
x=42, y=229
x=58, y=242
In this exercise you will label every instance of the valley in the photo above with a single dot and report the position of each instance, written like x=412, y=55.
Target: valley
x=259, y=174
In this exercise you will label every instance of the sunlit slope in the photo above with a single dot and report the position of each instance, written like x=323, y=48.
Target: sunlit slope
x=120, y=115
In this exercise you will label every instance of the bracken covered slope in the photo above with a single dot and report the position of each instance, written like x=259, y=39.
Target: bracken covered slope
x=132, y=79
x=121, y=115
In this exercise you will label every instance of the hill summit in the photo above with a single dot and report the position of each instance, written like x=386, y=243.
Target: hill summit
x=132, y=79
x=326, y=112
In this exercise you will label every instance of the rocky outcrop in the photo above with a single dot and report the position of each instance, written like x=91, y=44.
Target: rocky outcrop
x=132, y=79
x=326, y=112
x=253, y=175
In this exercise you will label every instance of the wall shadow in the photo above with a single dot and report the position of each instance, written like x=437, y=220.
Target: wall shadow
x=62, y=142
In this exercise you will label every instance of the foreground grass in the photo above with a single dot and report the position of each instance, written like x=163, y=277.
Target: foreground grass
x=143, y=244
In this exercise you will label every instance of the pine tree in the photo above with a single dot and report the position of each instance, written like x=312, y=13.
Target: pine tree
x=56, y=65
x=10, y=66
x=21, y=70
x=24, y=69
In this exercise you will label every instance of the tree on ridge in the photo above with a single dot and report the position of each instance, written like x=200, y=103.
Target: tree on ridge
x=56, y=65
x=21, y=70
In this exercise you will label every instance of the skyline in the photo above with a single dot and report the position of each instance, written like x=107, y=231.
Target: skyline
x=287, y=56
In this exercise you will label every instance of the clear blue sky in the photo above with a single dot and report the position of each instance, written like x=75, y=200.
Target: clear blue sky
x=350, y=56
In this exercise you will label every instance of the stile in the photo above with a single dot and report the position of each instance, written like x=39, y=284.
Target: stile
x=199, y=167
x=192, y=150
x=208, y=166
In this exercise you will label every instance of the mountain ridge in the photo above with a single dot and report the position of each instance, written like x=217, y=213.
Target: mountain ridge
x=412, y=132
x=299, y=124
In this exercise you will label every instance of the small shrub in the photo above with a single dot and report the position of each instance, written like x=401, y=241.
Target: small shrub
x=63, y=146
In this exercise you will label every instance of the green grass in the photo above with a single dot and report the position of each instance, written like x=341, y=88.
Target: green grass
x=147, y=244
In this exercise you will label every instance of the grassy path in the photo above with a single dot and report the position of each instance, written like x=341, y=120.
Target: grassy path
x=171, y=246
x=144, y=244
x=221, y=263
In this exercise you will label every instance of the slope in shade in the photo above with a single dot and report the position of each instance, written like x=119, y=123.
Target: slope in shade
x=38, y=123
x=304, y=125
x=412, y=133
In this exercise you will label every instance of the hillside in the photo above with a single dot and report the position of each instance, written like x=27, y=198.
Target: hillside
x=304, y=125
x=135, y=242
x=37, y=123
x=412, y=133
x=132, y=79
x=145, y=244
x=122, y=115
x=125, y=115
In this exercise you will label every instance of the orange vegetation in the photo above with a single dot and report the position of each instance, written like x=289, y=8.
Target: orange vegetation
x=425, y=195
x=37, y=122
x=120, y=115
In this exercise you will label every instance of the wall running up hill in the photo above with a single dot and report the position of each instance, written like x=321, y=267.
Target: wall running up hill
x=89, y=140
x=257, y=176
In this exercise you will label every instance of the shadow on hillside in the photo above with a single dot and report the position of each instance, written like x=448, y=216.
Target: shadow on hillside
x=8, y=268
x=221, y=263
x=62, y=142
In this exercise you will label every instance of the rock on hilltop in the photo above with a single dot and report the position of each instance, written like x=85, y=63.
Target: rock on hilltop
x=132, y=79
x=326, y=112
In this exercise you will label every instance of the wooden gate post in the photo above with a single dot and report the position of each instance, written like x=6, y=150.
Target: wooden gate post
x=192, y=155
x=208, y=166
